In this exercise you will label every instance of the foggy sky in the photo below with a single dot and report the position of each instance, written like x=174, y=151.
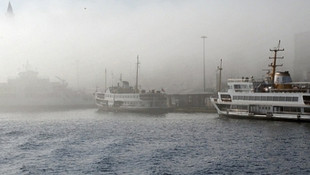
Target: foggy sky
x=77, y=40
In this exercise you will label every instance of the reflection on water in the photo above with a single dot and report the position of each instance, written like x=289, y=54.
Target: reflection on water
x=91, y=142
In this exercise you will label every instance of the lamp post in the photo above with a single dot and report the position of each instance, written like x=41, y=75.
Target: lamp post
x=220, y=68
x=77, y=74
x=204, y=66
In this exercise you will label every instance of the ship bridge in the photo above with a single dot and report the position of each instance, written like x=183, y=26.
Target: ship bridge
x=240, y=85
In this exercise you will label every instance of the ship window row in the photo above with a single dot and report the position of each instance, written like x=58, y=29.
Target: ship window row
x=264, y=107
x=245, y=107
x=307, y=110
x=122, y=96
x=100, y=95
x=132, y=102
x=243, y=86
x=265, y=98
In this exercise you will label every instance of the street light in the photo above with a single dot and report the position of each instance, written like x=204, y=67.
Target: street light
x=220, y=68
x=204, y=66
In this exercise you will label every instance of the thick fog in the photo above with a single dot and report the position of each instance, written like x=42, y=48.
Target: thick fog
x=78, y=40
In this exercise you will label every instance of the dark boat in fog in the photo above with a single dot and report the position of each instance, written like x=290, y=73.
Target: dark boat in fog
x=29, y=91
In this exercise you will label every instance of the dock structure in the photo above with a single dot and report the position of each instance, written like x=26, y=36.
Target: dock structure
x=191, y=102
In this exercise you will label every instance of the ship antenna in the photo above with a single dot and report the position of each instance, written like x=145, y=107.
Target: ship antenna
x=279, y=44
x=105, y=79
x=274, y=64
x=136, y=88
x=220, y=68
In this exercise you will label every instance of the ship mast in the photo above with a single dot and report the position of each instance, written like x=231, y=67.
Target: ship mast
x=274, y=64
x=136, y=88
x=105, y=79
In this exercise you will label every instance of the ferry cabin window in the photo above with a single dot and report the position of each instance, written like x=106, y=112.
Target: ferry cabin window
x=223, y=107
x=291, y=109
x=281, y=98
x=245, y=107
x=287, y=79
x=278, y=109
x=288, y=99
x=237, y=97
x=286, y=109
x=265, y=98
x=275, y=98
x=307, y=110
x=225, y=97
x=244, y=87
x=237, y=86
x=306, y=99
x=241, y=87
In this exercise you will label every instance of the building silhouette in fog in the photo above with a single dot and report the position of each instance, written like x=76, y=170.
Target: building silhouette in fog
x=302, y=57
x=9, y=11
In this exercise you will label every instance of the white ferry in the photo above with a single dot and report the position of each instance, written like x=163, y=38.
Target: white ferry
x=125, y=98
x=275, y=98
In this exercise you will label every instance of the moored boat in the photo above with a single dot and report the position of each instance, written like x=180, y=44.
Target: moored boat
x=275, y=98
x=125, y=98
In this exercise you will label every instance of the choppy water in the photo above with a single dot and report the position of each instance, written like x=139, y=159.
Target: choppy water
x=88, y=142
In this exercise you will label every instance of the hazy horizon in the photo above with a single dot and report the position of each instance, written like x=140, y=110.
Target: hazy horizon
x=71, y=39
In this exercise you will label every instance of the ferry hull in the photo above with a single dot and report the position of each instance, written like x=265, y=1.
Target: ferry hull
x=133, y=109
x=269, y=116
x=264, y=117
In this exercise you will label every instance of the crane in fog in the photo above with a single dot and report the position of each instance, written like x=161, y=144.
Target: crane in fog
x=63, y=82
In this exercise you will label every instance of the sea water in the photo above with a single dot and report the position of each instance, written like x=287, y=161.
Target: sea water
x=92, y=142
